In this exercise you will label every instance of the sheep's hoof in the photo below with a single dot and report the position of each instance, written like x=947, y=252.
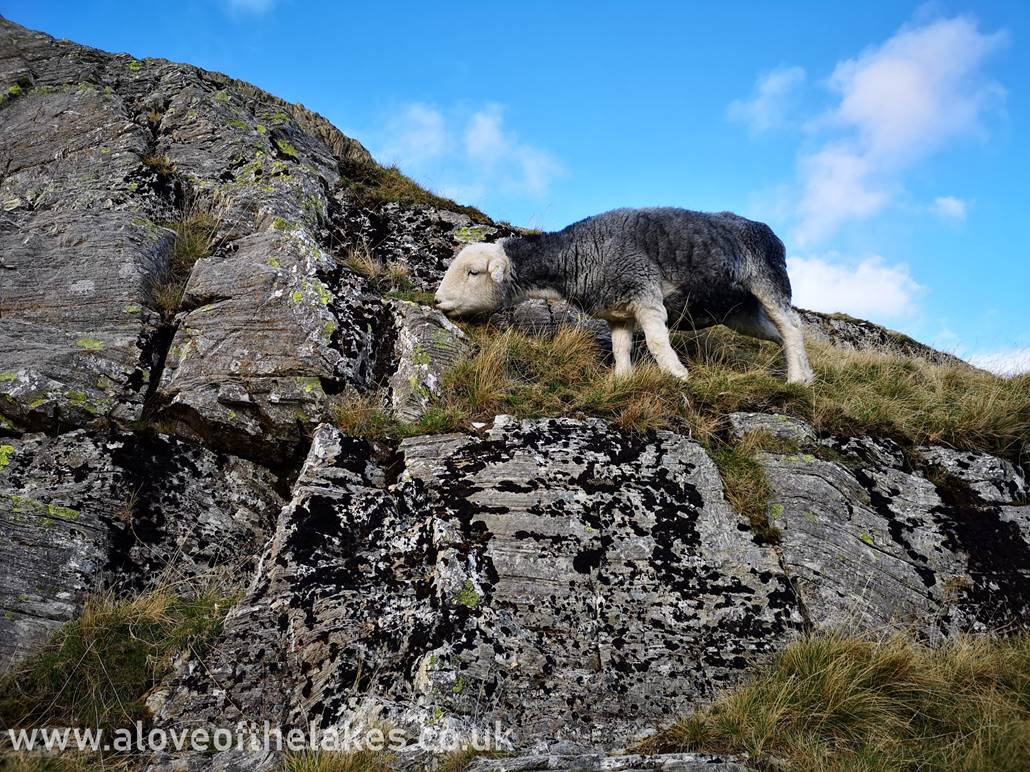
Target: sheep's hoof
x=802, y=380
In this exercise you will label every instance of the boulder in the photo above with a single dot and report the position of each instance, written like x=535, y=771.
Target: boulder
x=265, y=332
x=562, y=578
x=871, y=543
x=425, y=345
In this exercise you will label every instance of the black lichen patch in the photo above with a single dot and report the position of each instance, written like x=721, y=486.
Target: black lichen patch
x=998, y=556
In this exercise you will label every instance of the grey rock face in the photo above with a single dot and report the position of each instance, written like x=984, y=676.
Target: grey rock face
x=781, y=427
x=846, y=331
x=558, y=577
x=994, y=480
x=421, y=238
x=75, y=336
x=425, y=345
x=262, y=333
x=869, y=542
x=79, y=511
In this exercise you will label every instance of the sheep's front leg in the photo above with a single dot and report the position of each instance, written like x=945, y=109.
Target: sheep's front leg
x=653, y=321
x=622, y=347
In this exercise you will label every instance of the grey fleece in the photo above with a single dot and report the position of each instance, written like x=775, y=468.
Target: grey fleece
x=708, y=266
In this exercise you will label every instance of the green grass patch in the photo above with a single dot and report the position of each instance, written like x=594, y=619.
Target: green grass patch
x=96, y=670
x=195, y=235
x=838, y=703
x=371, y=184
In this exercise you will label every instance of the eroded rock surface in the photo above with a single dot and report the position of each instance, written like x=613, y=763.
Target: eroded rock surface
x=556, y=576
x=425, y=345
x=869, y=541
x=81, y=511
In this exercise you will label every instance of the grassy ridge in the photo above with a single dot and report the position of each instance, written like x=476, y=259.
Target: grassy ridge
x=856, y=392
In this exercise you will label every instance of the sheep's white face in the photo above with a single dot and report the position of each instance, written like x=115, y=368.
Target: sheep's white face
x=472, y=284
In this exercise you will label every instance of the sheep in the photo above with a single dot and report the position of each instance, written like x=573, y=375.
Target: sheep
x=653, y=268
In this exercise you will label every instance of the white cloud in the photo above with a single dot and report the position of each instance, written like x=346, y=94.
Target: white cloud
x=250, y=6
x=417, y=135
x=1011, y=362
x=485, y=141
x=834, y=188
x=868, y=288
x=950, y=208
x=769, y=104
x=898, y=103
x=470, y=156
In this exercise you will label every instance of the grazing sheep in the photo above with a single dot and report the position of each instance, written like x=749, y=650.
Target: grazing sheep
x=656, y=268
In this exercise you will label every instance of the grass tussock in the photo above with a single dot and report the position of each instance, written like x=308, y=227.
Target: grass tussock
x=874, y=392
x=837, y=703
x=371, y=184
x=528, y=377
x=327, y=761
x=461, y=759
x=159, y=164
x=746, y=487
x=96, y=670
x=384, y=277
x=195, y=234
x=366, y=416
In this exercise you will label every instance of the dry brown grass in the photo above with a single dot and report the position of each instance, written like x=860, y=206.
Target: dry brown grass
x=838, y=703
x=371, y=185
x=161, y=164
x=350, y=761
x=68, y=761
x=855, y=392
x=385, y=277
x=95, y=671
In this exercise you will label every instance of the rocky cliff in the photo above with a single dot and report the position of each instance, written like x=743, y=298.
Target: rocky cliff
x=578, y=582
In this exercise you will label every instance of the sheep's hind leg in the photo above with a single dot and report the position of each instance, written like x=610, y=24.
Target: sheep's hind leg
x=788, y=325
x=622, y=347
x=653, y=322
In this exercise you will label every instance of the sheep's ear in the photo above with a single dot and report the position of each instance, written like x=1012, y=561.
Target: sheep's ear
x=499, y=267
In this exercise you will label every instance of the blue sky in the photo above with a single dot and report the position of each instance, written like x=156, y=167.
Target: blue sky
x=887, y=143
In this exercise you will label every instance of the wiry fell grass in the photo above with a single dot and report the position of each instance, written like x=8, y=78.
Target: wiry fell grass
x=68, y=761
x=528, y=377
x=371, y=184
x=837, y=703
x=874, y=392
x=385, y=277
x=856, y=392
x=158, y=163
x=195, y=234
x=96, y=670
x=326, y=761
